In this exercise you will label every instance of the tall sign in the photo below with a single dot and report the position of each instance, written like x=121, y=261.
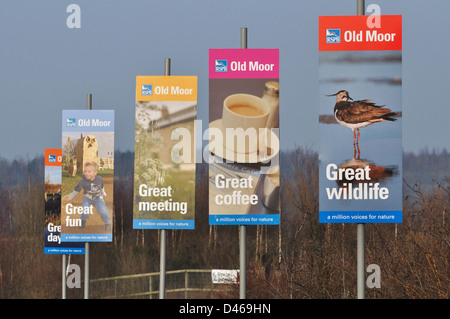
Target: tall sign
x=87, y=175
x=244, y=179
x=360, y=107
x=164, y=164
x=52, y=195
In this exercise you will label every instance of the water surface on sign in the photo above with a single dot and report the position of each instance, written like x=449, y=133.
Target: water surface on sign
x=365, y=75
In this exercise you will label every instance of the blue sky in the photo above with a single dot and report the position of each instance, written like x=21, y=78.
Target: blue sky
x=45, y=67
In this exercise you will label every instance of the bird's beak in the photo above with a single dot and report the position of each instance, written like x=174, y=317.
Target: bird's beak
x=350, y=98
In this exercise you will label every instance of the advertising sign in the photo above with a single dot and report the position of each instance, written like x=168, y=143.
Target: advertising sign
x=225, y=276
x=360, y=119
x=87, y=175
x=164, y=163
x=52, y=195
x=244, y=172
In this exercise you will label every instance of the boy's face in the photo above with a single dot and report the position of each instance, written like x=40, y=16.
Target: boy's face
x=89, y=172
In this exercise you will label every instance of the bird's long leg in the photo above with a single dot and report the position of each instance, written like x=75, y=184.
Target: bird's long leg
x=357, y=140
x=354, y=136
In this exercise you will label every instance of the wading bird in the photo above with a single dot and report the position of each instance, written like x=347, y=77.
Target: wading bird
x=357, y=114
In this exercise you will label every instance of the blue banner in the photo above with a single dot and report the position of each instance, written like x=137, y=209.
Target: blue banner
x=88, y=121
x=271, y=219
x=87, y=175
x=64, y=251
x=360, y=217
x=163, y=224
x=86, y=237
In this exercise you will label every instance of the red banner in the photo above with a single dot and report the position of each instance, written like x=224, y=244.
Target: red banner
x=360, y=33
x=53, y=157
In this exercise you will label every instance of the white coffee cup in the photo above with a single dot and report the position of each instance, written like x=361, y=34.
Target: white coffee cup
x=243, y=116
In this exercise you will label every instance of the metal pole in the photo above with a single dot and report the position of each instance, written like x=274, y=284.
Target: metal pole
x=162, y=266
x=89, y=101
x=242, y=261
x=360, y=251
x=86, y=244
x=86, y=270
x=244, y=38
x=163, y=248
x=360, y=244
x=167, y=66
x=242, y=228
x=64, y=282
x=360, y=8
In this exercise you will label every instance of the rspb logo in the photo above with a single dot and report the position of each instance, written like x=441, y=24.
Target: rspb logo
x=333, y=35
x=147, y=89
x=221, y=65
x=51, y=158
x=71, y=122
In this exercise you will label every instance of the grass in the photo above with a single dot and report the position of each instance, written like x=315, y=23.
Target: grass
x=69, y=182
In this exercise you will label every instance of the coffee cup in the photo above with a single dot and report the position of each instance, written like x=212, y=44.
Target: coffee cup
x=243, y=116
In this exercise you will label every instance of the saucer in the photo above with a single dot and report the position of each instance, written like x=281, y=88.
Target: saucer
x=254, y=157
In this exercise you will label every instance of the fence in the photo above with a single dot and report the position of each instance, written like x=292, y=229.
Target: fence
x=186, y=283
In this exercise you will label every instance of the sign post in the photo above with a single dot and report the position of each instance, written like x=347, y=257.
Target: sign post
x=162, y=261
x=52, y=189
x=243, y=228
x=87, y=188
x=86, y=248
x=164, y=159
x=244, y=141
x=360, y=98
x=360, y=228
